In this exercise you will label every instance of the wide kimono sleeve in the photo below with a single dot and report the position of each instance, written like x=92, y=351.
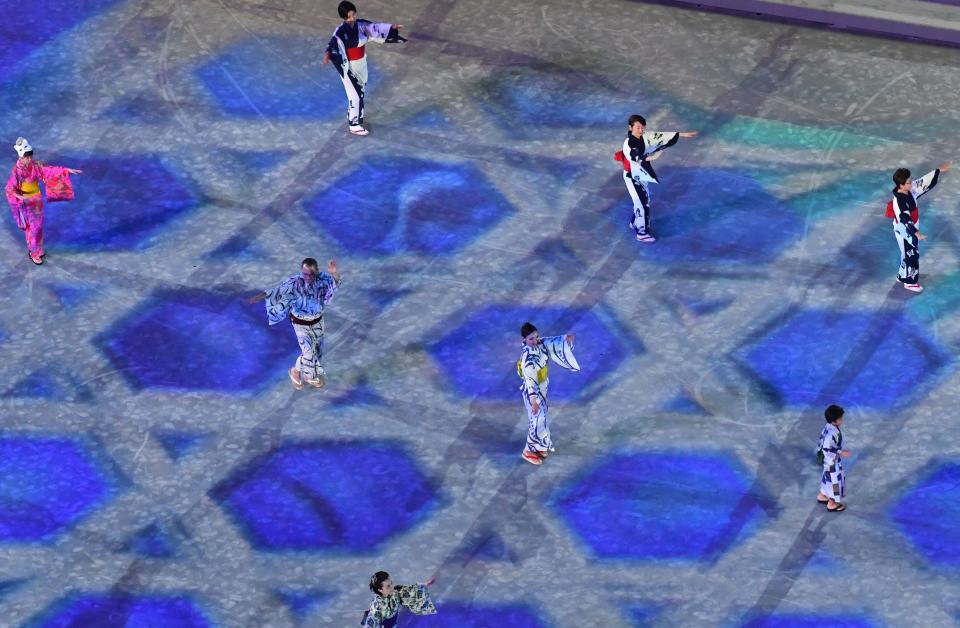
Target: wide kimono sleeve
x=338, y=52
x=529, y=373
x=829, y=445
x=380, y=32
x=417, y=599
x=655, y=141
x=16, y=205
x=925, y=183
x=58, y=184
x=560, y=352
x=904, y=226
x=280, y=300
x=328, y=286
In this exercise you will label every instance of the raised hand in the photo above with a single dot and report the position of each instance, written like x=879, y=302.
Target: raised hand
x=332, y=267
x=326, y=58
x=73, y=170
x=689, y=133
x=945, y=166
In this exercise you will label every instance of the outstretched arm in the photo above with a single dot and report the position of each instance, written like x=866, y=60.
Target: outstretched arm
x=256, y=298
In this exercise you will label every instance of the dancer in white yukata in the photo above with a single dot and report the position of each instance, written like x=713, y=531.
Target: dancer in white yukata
x=301, y=298
x=347, y=50
x=830, y=451
x=385, y=607
x=905, y=212
x=532, y=367
x=639, y=149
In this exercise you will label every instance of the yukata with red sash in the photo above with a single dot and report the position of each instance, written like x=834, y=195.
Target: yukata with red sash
x=347, y=49
x=905, y=213
x=638, y=173
x=25, y=180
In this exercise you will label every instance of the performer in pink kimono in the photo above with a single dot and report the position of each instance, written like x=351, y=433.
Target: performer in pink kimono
x=347, y=50
x=26, y=201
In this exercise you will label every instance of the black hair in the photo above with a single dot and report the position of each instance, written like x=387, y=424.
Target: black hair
x=636, y=118
x=901, y=176
x=309, y=262
x=527, y=329
x=832, y=413
x=344, y=8
x=377, y=580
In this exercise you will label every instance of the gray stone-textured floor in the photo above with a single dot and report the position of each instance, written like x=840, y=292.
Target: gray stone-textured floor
x=485, y=194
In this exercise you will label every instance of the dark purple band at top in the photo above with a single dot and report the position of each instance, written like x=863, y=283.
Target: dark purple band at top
x=820, y=18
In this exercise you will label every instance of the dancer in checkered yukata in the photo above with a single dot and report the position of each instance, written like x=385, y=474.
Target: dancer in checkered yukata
x=639, y=149
x=532, y=367
x=830, y=452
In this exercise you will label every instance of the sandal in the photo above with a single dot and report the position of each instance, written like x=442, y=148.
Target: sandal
x=296, y=385
x=823, y=501
x=839, y=508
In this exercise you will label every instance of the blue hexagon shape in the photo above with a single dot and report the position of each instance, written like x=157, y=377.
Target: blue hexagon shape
x=395, y=205
x=479, y=349
x=340, y=496
x=129, y=611
x=465, y=615
x=814, y=357
x=122, y=203
x=47, y=485
x=278, y=77
x=659, y=505
x=928, y=514
x=189, y=340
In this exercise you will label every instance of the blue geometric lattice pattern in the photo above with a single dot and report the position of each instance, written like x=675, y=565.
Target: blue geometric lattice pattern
x=659, y=505
x=466, y=615
x=345, y=496
x=809, y=621
x=928, y=514
x=127, y=611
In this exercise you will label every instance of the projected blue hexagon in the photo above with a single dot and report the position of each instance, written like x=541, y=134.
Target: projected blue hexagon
x=395, y=205
x=348, y=497
x=465, y=615
x=856, y=356
x=477, y=350
x=132, y=611
x=121, y=203
x=191, y=340
x=712, y=214
x=928, y=514
x=809, y=621
x=47, y=485
x=279, y=77
x=659, y=505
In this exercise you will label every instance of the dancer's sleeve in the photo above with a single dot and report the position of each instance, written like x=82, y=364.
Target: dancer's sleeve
x=380, y=32
x=417, y=599
x=58, y=184
x=561, y=352
x=656, y=141
x=528, y=371
x=329, y=285
x=279, y=301
x=335, y=49
x=925, y=183
x=16, y=205
x=904, y=227
x=374, y=617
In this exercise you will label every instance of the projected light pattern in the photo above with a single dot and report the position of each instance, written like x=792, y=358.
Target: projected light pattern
x=928, y=512
x=128, y=611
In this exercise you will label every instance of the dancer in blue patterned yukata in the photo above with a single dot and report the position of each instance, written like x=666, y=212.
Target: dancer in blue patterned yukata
x=347, y=50
x=639, y=149
x=385, y=607
x=532, y=367
x=830, y=452
x=905, y=212
x=301, y=298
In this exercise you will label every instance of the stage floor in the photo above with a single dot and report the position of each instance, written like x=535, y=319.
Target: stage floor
x=159, y=470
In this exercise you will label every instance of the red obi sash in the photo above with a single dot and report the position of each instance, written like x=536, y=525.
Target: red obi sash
x=619, y=156
x=355, y=54
x=914, y=213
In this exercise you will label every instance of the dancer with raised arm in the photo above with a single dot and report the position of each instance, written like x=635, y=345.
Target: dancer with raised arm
x=347, y=50
x=26, y=201
x=389, y=597
x=639, y=149
x=302, y=298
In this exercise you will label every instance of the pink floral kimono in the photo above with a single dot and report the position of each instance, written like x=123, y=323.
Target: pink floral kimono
x=28, y=213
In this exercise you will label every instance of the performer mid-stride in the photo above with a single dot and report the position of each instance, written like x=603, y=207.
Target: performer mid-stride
x=532, y=367
x=302, y=299
x=905, y=212
x=26, y=201
x=347, y=49
x=639, y=149
x=830, y=451
x=389, y=597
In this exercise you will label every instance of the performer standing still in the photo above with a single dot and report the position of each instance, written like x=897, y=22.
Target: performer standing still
x=833, y=481
x=347, y=49
x=905, y=212
x=390, y=597
x=639, y=149
x=301, y=298
x=26, y=201
x=532, y=367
